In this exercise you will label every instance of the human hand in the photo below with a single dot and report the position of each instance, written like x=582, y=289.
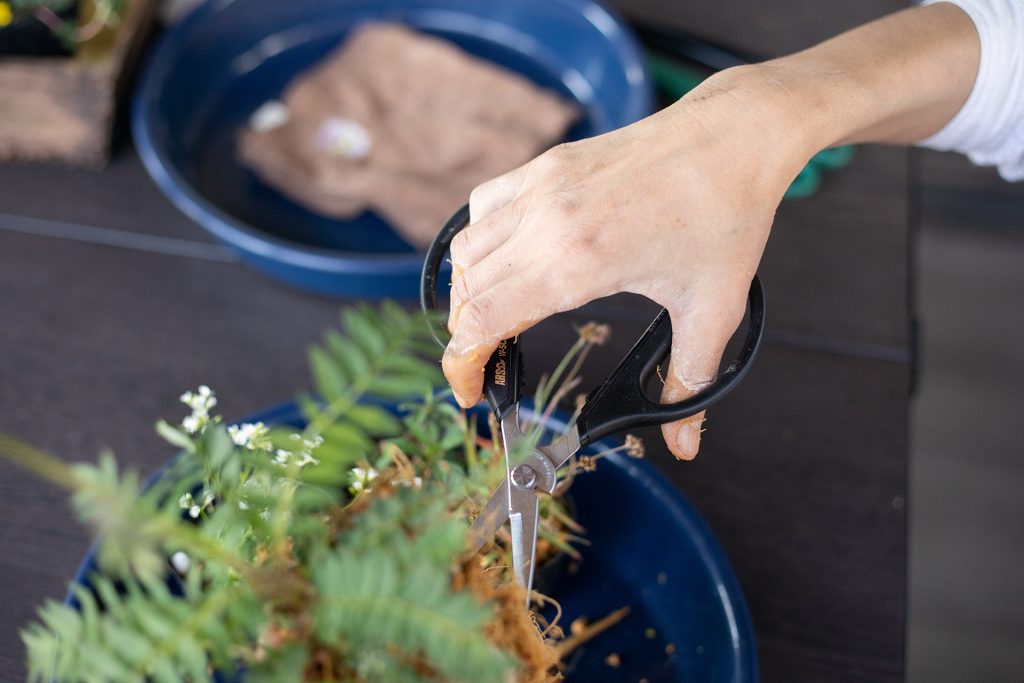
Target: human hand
x=677, y=208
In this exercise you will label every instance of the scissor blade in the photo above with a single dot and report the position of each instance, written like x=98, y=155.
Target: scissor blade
x=490, y=519
x=523, y=518
x=560, y=451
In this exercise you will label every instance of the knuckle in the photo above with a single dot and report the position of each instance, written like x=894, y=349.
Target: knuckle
x=480, y=191
x=561, y=204
x=477, y=316
x=462, y=245
x=463, y=287
x=588, y=242
x=480, y=194
x=565, y=152
x=555, y=157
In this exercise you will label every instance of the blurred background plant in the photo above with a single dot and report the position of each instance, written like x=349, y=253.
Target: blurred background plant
x=71, y=23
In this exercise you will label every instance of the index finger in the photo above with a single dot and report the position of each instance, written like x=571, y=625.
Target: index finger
x=507, y=308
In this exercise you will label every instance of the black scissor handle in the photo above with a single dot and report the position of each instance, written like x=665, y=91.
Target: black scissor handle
x=620, y=403
x=432, y=267
x=504, y=372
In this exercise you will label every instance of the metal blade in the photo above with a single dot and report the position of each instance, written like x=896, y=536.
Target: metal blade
x=560, y=451
x=490, y=519
x=523, y=518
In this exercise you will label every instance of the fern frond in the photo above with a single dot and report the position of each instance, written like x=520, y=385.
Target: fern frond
x=131, y=632
x=379, y=358
x=370, y=602
x=387, y=585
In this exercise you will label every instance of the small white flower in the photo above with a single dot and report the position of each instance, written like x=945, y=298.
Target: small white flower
x=303, y=454
x=362, y=477
x=415, y=482
x=367, y=475
x=251, y=435
x=195, y=507
x=193, y=423
x=181, y=562
x=202, y=398
x=201, y=401
x=307, y=459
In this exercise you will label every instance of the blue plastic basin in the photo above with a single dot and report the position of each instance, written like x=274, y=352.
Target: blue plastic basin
x=228, y=57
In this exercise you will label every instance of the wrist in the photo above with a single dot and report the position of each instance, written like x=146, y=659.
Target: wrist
x=895, y=80
x=757, y=117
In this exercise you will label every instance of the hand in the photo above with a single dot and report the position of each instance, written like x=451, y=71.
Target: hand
x=676, y=207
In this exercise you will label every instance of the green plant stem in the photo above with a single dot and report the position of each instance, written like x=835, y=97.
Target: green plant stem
x=56, y=471
x=556, y=376
x=188, y=537
x=38, y=462
x=336, y=409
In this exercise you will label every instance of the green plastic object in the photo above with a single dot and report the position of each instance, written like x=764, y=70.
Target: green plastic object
x=673, y=80
x=805, y=184
x=834, y=157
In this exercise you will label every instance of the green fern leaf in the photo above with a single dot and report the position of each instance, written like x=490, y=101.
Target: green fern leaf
x=369, y=602
x=328, y=377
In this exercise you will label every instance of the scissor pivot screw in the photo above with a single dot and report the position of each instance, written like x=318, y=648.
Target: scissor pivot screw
x=524, y=477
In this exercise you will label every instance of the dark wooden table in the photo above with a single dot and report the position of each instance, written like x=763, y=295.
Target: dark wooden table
x=112, y=303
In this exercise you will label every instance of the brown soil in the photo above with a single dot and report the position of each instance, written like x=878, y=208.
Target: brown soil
x=513, y=628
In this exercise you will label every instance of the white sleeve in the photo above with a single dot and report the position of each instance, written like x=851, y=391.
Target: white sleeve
x=989, y=128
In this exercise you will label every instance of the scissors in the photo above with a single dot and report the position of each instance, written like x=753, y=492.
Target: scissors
x=620, y=403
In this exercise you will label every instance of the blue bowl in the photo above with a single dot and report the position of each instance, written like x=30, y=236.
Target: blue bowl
x=212, y=70
x=649, y=549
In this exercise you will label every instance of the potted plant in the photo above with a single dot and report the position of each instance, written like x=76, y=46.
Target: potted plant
x=330, y=549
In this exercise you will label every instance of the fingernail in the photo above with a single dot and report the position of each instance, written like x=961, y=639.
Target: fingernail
x=688, y=440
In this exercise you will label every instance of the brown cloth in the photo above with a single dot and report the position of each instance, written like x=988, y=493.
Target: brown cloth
x=438, y=123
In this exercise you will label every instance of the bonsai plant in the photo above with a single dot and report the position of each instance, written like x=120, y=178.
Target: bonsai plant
x=328, y=551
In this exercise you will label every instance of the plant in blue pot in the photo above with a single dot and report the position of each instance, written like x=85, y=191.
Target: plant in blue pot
x=323, y=543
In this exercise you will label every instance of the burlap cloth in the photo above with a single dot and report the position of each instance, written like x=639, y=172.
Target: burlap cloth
x=400, y=123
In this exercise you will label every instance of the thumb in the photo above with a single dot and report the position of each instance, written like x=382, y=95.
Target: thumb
x=698, y=342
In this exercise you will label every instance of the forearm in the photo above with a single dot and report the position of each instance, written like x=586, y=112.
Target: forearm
x=898, y=79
